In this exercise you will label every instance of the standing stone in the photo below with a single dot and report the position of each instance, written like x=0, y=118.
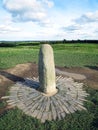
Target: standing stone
x=47, y=70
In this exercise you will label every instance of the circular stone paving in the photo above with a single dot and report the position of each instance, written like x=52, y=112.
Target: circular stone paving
x=25, y=96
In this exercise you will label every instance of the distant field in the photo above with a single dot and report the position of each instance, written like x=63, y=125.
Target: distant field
x=76, y=55
x=9, y=57
x=65, y=55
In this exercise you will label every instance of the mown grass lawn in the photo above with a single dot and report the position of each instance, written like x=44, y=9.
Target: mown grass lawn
x=65, y=55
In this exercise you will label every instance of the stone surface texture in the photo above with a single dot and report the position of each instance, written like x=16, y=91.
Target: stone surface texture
x=47, y=70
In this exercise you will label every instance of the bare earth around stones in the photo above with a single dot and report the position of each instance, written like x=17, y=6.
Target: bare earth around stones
x=18, y=73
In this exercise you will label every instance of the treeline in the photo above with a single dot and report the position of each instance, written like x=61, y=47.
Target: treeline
x=18, y=43
x=34, y=43
x=80, y=41
x=74, y=41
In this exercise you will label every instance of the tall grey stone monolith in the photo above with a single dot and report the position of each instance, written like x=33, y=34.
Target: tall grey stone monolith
x=46, y=70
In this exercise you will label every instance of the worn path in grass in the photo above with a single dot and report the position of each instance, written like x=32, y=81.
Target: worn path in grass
x=88, y=75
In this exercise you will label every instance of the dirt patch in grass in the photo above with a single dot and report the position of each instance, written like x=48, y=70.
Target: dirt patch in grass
x=9, y=76
x=91, y=74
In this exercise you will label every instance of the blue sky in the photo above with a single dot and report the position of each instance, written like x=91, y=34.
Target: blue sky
x=48, y=19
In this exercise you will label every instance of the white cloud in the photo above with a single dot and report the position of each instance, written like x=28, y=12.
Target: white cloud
x=88, y=18
x=28, y=10
x=49, y=3
x=85, y=26
x=8, y=29
x=71, y=28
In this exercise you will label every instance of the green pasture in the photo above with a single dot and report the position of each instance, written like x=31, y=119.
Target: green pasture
x=67, y=55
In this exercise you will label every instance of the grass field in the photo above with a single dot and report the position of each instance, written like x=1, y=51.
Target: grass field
x=65, y=55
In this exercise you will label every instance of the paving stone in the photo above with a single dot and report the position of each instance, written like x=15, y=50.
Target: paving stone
x=50, y=116
x=63, y=114
x=26, y=109
x=48, y=104
x=34, y=106
x=34, y=96
x=63, y=106
x=12, y=103
x=35, y=113
x=20, y=105
x=53, y=111
x=8, y=101
x=81, y=99
x=39, y=114
x=57, y=105
x=81, y=107
x=78, y=102
x=59, y=116
x=44, y=117
x=40, y=102
x=5, y=97
x=30, y=101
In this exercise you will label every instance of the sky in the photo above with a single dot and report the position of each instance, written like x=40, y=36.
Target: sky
x=48, y=19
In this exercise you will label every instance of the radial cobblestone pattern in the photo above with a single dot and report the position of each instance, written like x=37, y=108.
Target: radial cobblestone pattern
x=25, y=96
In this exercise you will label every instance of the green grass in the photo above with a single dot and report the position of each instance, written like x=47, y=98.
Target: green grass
x=81, y=120
x=9, y=57
x=2, y=104
x=70, y=59
x=76, y=55
x=88, y=48
x=65, y=55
